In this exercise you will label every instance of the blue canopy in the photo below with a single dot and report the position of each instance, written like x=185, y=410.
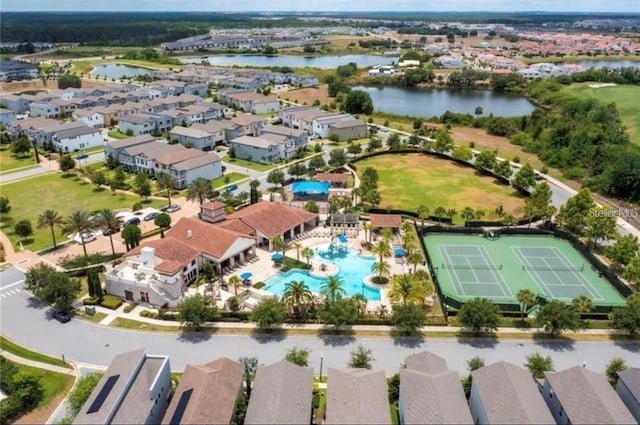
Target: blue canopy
x=246, y=275
x=277, y=256
x=342, y=238
x=398, y=252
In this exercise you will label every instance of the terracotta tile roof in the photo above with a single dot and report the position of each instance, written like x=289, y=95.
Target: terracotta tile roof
x=205, y=237
x=173, y=252
x=386, y=220
x=271, y=218
x=237, y=225
x=212, y=205
x=332, y=177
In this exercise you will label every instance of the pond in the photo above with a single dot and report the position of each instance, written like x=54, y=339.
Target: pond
x=116, y=70
x=328, y=62
x=434, y=102
x=608, y=64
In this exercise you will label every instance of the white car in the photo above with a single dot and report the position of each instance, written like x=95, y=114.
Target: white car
x=87, y=237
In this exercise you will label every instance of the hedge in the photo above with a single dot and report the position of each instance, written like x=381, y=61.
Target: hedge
x=149, y=314
x=259, y=285
x=129, y=307
x=91, y=301
x=111, y=302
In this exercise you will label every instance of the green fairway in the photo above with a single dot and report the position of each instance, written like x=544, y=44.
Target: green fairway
x=409, y=180
x=470, y=266
x=626, y=98
x=10, y=162
x=30, y=197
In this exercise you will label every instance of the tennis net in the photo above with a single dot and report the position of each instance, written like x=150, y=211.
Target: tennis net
x=553, y=269
x=471, y=266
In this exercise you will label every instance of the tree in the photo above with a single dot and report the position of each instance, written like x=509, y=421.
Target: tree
x=69, y=80
x=478, y=111
x=316, y=163
x=524, y=178
x=354, y=148
x=98, y=178
x=475, y=363
x=556, y=316
x=408, y=319
x=312, y=207
x=163, y=221
x=49, y=219
x=235, y=282
x=526, y=299
x=250, y=365
x=195, y=310
x=297, y=296
x=80, y=222
x=502, y=168
x=66, y=163
x=624, y=249
x=509, y=220
x=94, y=284
x=479, y=314
x=198, y=190
x=131, y=235
x=276, y=177
x=23, y=229
x=382, y=249
x=21, y=147
x=268, y=314
x=5, y=206
x=381, y=269
x=308, y=254
x=165, y=182
x=582, y=304
x=339, y=313
x=467, y=215
x=538, y=365
x=538, y=204
x=632, y=272
x=109, y=221
x=279, y=244
x=406, y=290
x=119, y=177
x=462, y=153
x=574, y=212
x=81, y=391
x=298, y=356
x=361, y=358
x=51, y=286
x=393, y=141
x=600, y=224
x=337, y=158
x=414, y=258
x=615, y=366
x=439, y=212
x=444, y=141
x=486, y=160
x=142, y=184
x=628, y=317
x=423, y=213
x=358, y=102
x=332, y=289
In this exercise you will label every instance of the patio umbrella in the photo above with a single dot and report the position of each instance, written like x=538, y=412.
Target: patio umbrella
x=399, y=252
x=246, y=275
x=277, y=256
x=342, y=238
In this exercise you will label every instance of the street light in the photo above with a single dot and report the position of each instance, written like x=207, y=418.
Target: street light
x=321, y=360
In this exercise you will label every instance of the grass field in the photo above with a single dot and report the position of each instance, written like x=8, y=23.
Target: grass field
x=10, y=162
x=30, y=197
x=232, y=177
x=308, y=95
x=409, y=180
x=625, y=97
x=248, y=164
x=25, y=353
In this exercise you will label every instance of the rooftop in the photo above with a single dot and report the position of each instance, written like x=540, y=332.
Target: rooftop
x=386, y=220
x=75, y=132
x=426, y=362
x=272, y=218
x=347, y=124
x=258, y=142
x=131, y=141
x=332, y=177
x=631, y=379
x=195, y=133
x=170, y=251
x=357, y=396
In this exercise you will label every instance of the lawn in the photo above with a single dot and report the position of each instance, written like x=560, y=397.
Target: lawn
x=409, y=180
x=64, y=194
x=25, y=353
x=227, y=179
x=625, y=97
x=96, y=318
x=117, y=135
x=10, y=162
x=121, y=322
x=248, y=164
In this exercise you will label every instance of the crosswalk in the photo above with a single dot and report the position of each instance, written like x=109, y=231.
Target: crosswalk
x=10, y=292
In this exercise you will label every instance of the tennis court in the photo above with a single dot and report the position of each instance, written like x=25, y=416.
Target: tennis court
x=469, y=266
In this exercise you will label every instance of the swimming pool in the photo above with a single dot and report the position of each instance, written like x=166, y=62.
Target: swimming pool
x=352, y=269
x=310, y=188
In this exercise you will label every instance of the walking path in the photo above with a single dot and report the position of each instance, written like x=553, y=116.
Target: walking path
x=39, y=365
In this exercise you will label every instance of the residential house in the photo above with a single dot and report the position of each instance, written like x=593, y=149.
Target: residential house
x=17, y=104
x=74, y=139
x=67, y=107
x=287, y=114
x=90, y=117
x=299, y=137
x=196, y=89
x=503, y=393
x=357, y=396
x=304, y=119
x=348, y=129
x=247, y=83
x=206, y=394
x=115, y=148
x=256, y=103
x=580, y=396
x=44, y=130
x=226, y=95
x=430, y=393
x=252, y=125
x=186, y=165
x=136, y=123
x=207, y=110
x=196, y=138
x=141, y=157
x=265, y=149
x=281, y=394
x=214, y=129
x=7, y=116
x=169, y=87
x=628, y=389
x=44, y=109
x=134, y=389
x=231, y=130
x=14, y=71
x=155, y=273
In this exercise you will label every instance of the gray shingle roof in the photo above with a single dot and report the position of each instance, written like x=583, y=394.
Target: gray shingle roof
x=74, y=132
x=587, y=397
x=132, y=141
x=510, y=396
x=631, y=379
x=433, y=399
x=189, y=132
x=281, y=394
x=357, y=396
x=426, y=362
x=285, y=131
x=347, y=124
x=258, y=142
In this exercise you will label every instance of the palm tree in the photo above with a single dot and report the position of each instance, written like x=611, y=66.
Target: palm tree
x=109, y=221
x=387, y=234
x=361, y=304
x=165, y=182
x=198, y=189
x=297, y=246
x=406, y=290
x=332, y=289
x=50, y=219
x=80, y=222
x=423, y=213
x=297, y=296
x=582, y=304
x=367, y=231
x=414, y=258
x=235, y=282
x=450, y=213
x=381, y=249
x=382, y=311
x=307, y=253
x=467, y=215
x=279, y=244
x=381, y=268
x=499, y=211
x=509, y=221
x=527, y=299
x=439, y=213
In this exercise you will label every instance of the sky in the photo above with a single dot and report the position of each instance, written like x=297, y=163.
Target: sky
x=323, y=5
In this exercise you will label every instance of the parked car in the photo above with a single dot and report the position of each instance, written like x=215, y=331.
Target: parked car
x=61, y=316
x=82, y=156
x=110, y=230
x=151, y=216
x=231, y=187
x=132, y=220
x=88, y=237
x=173, y=208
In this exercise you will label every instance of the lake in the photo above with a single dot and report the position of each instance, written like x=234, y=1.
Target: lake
x=115, y=70
x=609, y=64
x=430, y=102
x=329, y=61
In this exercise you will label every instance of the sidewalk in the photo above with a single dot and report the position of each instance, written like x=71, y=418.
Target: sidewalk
x=32, y=363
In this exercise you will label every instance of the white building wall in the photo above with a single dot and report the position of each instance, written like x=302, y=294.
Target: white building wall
x=45, y=110
x=209, y=172
x=95, y=120
x=72, y=144
x=263, y=108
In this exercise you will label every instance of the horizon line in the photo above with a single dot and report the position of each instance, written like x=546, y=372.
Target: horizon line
x=327, y=11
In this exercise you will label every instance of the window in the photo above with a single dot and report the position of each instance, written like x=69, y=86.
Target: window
x=144, y=297
x=193, y=262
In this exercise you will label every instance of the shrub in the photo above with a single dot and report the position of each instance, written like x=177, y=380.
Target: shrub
x=129, y=307
x=137, y=206
x=516, y=159
x=149, y=314
x=111, y=302
x=91, y=301
x=259, y=285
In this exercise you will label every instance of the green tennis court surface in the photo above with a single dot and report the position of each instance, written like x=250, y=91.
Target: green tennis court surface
x=469, y=266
